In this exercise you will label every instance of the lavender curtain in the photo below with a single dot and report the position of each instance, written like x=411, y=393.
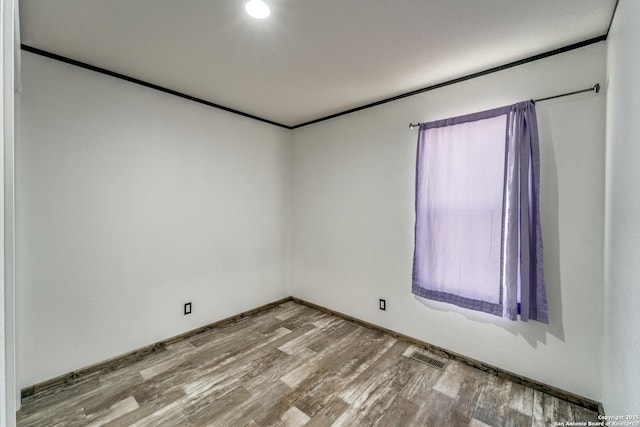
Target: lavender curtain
x=478, y=241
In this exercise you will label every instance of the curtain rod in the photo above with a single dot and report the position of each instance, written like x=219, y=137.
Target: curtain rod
x=595, y=88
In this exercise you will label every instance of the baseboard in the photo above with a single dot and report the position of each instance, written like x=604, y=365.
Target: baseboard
x=135, y=355
x=130, y=357
x=589, y=404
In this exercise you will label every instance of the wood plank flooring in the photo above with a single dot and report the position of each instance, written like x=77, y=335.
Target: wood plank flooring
x=293, y=366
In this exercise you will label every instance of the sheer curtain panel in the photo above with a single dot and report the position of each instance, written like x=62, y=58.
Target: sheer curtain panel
x=478, y=240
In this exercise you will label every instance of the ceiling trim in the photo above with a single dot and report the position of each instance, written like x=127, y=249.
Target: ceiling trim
x=613, y=15
x=110, y=73
x=461, y=79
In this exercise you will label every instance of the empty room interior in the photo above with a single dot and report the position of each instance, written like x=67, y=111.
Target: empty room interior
x=297, y=212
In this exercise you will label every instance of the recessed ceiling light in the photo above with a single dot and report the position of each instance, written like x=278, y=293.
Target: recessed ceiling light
x=257, y=9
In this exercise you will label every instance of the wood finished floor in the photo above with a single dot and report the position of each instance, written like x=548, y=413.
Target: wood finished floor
x=294, y=366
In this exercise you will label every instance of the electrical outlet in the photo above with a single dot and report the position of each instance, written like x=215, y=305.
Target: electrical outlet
x=383, y=304
x=187, y=308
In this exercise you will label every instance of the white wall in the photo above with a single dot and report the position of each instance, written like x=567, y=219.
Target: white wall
x=131, y=202
x=353, y=220
x=8, y=40
x=621, y=374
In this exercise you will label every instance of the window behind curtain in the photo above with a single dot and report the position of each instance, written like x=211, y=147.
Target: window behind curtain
x=464, y=240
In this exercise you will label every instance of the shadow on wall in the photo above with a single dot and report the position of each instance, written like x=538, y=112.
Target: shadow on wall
x=534, y=332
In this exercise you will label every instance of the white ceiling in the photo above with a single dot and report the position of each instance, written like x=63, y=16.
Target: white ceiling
x=310, y=58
